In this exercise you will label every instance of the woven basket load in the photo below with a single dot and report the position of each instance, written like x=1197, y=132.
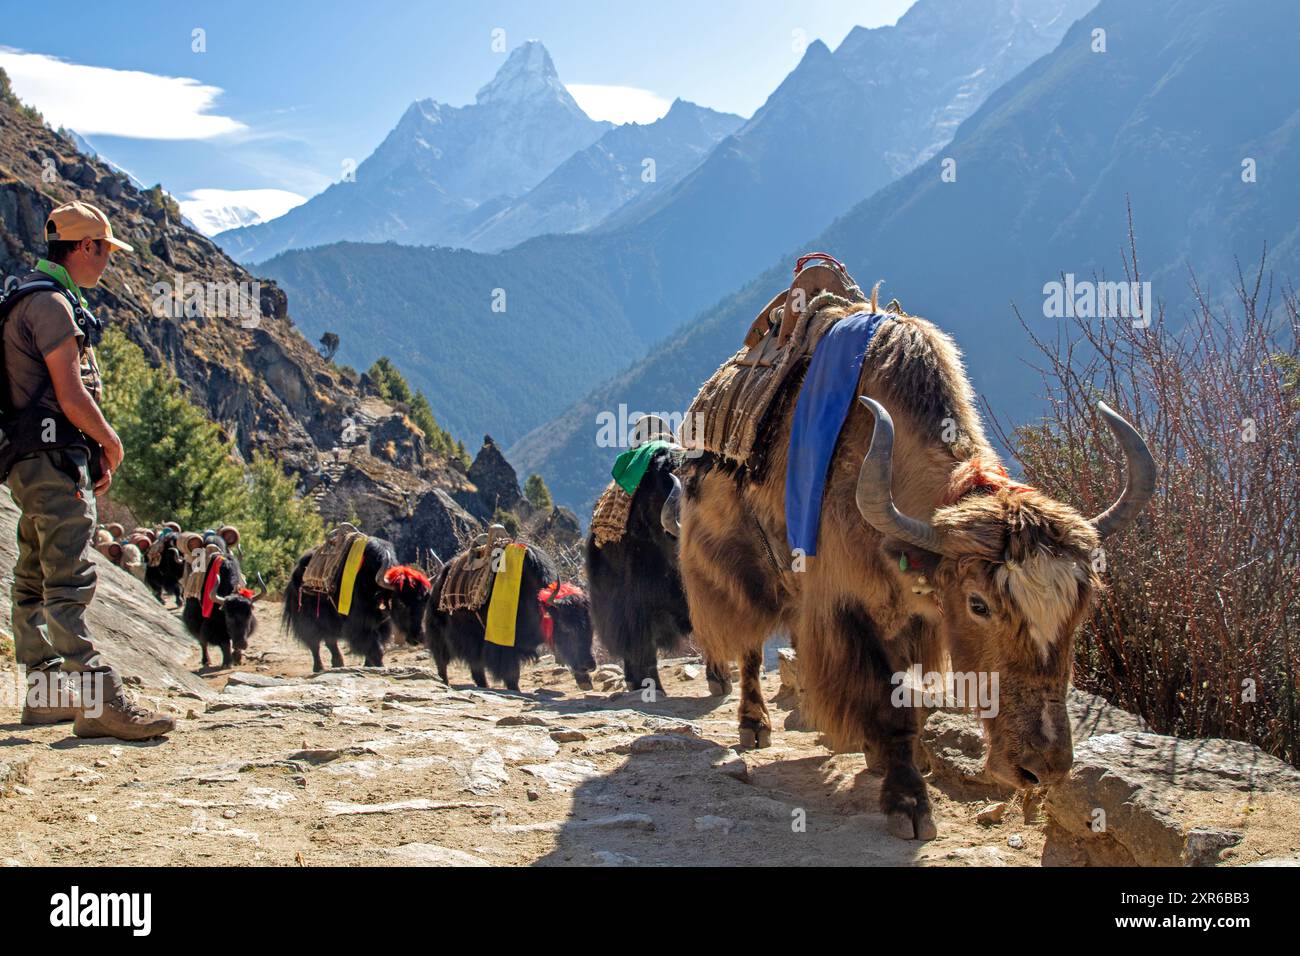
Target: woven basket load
x=155, y=552
x=322, y=573
x=728, y=413
x=610, y=517
x=469, y=573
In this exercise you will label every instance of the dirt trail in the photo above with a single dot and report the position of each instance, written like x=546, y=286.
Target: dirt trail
x=390, y=767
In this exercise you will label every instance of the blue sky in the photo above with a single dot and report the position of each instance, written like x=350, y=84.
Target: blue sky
x=286, y=91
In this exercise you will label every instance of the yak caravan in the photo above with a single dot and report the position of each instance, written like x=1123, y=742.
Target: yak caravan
x=854, y=434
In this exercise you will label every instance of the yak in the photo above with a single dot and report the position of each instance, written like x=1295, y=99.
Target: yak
x=928, y=554
x=638, y=605
x=230, y=622
x=459, y=635
x=386, y=596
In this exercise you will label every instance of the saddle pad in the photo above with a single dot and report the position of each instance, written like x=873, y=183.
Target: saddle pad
x=195, y=575
x=210, y=585
x=609, y=519
x=466, y=583
x=728, y=413
x=321, y=576
x=348, y=580
x=503, y=610
x=825, y=397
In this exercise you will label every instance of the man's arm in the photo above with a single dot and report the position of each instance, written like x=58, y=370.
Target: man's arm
x=63, y=361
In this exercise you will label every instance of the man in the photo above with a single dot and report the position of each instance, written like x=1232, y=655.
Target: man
x=66, y=453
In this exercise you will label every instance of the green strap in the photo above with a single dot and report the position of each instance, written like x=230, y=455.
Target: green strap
x=60, y=275
x=630, y=467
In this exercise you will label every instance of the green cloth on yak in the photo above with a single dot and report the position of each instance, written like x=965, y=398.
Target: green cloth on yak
x=630, y=467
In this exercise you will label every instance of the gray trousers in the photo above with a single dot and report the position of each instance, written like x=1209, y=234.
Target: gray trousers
x=54, y=576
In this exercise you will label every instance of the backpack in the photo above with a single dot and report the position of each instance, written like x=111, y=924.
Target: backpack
x=35, y=428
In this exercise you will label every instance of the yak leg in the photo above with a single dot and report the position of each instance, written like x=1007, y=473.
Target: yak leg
x=904, y=799
x=316, y=665
x=510, y=675
x=375, y=658
x=755, y=723
x=205, y=660
x=336, y=658
x=642, y=667
x=849, y=672
x=441, y=656
x=719, y=677
x=480, y=677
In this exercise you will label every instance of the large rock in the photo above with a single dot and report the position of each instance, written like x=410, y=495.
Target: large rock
x=495, y=478
x=1149, y=800
x=954, y=741
x=134, y=632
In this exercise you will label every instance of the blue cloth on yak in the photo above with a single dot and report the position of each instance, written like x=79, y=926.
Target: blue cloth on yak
x=825, y=397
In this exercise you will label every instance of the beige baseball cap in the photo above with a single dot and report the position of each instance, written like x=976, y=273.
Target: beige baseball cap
x=74, y=221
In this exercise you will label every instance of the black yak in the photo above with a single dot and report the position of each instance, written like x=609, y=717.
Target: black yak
x=164, y=576
x=385, y=595
x=543, y=607
x=638, y=606
x=229, y=621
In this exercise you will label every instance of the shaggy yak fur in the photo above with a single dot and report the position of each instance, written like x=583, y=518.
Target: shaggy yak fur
x=460, y=634
x=1004, y=599
x=638, y=605
x=232, y=621
x=386, y=596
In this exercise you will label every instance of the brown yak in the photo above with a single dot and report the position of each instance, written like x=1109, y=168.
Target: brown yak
x=991, y=576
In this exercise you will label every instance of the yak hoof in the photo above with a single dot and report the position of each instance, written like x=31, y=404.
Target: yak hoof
x=584, y=682
x=755, y=738
x=719, y=688
x=904, y=826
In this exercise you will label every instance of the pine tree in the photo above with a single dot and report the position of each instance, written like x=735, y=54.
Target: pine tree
x=279, y=526
x=538, y=495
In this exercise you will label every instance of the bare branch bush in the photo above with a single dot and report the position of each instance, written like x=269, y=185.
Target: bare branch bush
x=1199, y=625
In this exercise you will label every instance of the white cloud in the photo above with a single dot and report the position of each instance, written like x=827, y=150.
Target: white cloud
x=98, y=100
x=619, y=104
x=216, y=210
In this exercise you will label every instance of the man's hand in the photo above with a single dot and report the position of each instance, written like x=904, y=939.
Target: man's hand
x=113, y=452
x=105, y=480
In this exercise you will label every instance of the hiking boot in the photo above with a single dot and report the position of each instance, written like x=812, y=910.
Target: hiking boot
x=51, y=699
x=120, y=717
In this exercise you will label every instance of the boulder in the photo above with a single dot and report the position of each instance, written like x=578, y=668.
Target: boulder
x=145, y=642
x=495, y=478
x=1149, y=800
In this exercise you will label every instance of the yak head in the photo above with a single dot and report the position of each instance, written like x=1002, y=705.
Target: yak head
x=1007, y=574
x=409, y=592
x=566, y=625
x=237, y=609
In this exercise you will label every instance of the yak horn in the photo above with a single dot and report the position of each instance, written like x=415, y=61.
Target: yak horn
x=875, y=497
x=217, y=599
x=379, y=578
x=261, y=589
x=670, y=515
x=1140, y=484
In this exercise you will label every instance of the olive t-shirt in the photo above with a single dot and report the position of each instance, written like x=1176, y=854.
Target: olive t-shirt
x=38, y=324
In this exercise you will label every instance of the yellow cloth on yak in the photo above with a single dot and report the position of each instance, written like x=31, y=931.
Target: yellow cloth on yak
x=504, y=606
x=350, y=568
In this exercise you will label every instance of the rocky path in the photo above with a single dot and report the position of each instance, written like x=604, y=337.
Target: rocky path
x=361, y=766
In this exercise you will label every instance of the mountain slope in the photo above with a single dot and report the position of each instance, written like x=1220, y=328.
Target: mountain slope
x=605, y=176
x=832, y=131
x=253, y=374
x=427, y=180
x=1044, y=171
